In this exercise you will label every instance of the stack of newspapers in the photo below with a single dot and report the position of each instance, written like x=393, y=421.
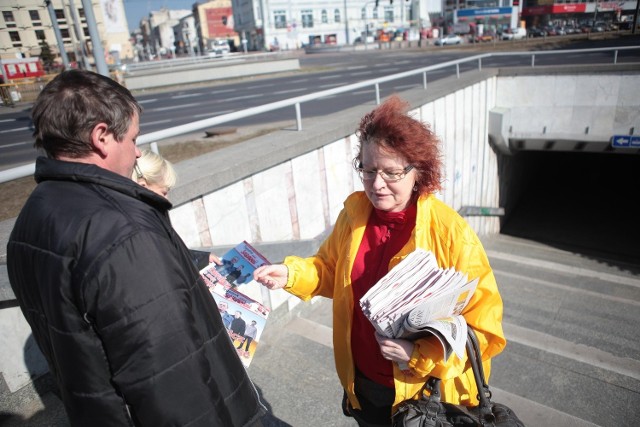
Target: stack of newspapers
x=417, y=299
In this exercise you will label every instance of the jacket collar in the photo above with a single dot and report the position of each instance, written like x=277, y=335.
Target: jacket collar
x=57, y=170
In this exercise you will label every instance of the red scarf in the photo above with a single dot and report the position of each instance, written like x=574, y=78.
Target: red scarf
x=385, y=235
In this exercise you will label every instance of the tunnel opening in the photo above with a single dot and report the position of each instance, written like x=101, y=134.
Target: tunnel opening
x=582, y=202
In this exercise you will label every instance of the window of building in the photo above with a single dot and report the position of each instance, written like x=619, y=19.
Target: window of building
x=40, y=35
x=307, y=18
x=323, y=16
x=336, y=15
x=64, y=32
x=15, y=39
x=60, y=16
x=375, y=13
x=9, y=19
x=8, y=16
x=280, y=18
x=388, y=13
x=35, y=16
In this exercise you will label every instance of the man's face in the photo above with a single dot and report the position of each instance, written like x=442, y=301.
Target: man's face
x=127, y=151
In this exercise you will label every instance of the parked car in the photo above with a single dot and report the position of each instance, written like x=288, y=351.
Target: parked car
x=515, y=34
x=220, y=47
x=536, y=32
x=449, y=39
x=486, y=37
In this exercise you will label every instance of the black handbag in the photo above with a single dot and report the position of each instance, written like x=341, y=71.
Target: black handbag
x=430, y=411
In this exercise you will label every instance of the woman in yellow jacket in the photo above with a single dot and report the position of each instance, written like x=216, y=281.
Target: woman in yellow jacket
x=400, y=167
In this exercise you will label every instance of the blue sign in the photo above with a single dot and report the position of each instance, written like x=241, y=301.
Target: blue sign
x=485, y=11
x=625, y=141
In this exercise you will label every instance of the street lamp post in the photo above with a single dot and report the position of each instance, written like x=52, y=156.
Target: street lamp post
x=346, y=23
x=366, y=24
x=56, y=30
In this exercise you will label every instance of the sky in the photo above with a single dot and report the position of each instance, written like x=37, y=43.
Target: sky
x=138, y=9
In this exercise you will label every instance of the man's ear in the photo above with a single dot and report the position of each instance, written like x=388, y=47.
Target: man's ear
x=101, y=138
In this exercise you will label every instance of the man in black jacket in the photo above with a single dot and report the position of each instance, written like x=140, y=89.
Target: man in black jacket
x=128, y=328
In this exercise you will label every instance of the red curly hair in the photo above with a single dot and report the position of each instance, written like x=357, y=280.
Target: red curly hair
x=391, y=127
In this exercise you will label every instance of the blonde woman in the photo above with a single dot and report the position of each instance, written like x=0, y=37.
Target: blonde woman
x=157, y=174
x=154, y=172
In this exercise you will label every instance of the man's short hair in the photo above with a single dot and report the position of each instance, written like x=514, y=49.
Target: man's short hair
x=72, y=104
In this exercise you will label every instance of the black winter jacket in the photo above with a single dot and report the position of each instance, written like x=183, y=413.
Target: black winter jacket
x=117, y=306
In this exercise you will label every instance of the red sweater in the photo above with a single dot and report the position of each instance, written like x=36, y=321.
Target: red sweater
x=385, y=235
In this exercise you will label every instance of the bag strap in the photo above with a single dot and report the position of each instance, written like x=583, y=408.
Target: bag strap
x=484, y=394
x=432, y=385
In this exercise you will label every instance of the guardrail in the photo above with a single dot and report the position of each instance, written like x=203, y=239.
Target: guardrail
x=152, y=137
x=164, y=64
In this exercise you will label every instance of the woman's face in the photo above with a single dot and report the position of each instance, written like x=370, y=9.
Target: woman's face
x=387, y=196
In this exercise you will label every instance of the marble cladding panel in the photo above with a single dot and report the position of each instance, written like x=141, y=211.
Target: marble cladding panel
x=509, y=93
x=602, y=121
x=563, y=91
x=272, y=203
x=629, y=93
x=626, y=118
x=465, y=105
x=447, y=138
x=458, y=142
x=308, y=195
x=596, y=90
x=471, y=158
x=354, y=144
x=227, y=215
x=184, y=222
x=338, y=175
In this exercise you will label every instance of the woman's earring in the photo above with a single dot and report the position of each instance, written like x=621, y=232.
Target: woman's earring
x=415, y=187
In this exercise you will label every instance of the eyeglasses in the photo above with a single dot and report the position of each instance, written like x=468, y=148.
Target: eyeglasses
x=387, y=176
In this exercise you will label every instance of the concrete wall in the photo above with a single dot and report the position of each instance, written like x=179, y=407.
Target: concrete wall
x=150, y=79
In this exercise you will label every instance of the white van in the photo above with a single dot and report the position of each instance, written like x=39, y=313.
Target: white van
x=515, y=34
x=220, y=47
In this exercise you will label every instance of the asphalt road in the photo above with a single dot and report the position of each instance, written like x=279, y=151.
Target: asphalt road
x=164, y=109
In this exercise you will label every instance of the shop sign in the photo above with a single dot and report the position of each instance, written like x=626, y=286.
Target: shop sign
x=484, y=11
x=569, y=8
x=608, y=6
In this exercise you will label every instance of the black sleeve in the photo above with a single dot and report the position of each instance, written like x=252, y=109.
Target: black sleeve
x=200, y=258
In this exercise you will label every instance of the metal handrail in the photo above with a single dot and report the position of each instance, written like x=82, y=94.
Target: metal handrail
x=152, y=137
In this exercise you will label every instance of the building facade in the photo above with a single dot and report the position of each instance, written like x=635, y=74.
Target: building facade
x=289, y=24
x=27, y=24
x=214, y=20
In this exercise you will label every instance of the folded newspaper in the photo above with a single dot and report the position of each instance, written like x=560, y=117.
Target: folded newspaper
x=417, y=298
x=236, y=294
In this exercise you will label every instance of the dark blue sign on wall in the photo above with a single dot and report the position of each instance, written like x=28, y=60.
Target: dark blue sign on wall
x=625, y=141
x=485, y=11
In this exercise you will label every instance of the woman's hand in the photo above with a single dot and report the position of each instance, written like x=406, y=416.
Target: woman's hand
x=272, y=276
x=395, y=350
x=214, y=258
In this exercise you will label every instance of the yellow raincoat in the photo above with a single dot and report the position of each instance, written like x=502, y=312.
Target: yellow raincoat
x=438, y=229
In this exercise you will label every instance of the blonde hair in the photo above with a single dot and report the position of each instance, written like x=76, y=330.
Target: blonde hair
x=154, y=169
